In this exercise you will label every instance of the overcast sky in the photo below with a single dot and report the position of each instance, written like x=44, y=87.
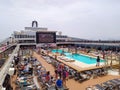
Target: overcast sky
x=87, y=19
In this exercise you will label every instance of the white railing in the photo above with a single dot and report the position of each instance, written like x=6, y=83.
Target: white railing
x=8, y=46
x=90, y=43
x=6, y=66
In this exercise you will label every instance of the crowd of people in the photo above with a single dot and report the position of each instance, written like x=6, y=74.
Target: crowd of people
x=62, y=73
x=23, y=64
x=30, y=65
x=57, y=80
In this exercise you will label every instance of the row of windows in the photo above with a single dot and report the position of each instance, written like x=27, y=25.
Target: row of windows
x=89, y=41
x=26, y=41
x=60, y=40
x=24, y=36
x=61, y=36
x=32, y=36
x=32, y=41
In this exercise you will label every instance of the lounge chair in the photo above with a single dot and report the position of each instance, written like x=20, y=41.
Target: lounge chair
x=88, y=73
x=66, y=68
x=115, y=83
x=99, y=87
x=94, y=74
x=76, y=76
x=97, y=72
x=89, y=88
x=118, y=80
x=82, y=77
x=104, y=71
x=108, y=86
x=48, y=60
x=71, y=73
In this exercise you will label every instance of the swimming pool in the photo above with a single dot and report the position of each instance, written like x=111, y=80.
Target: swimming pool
x=78, y=57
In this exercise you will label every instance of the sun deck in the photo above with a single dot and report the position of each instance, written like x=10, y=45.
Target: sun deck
x=71, y=83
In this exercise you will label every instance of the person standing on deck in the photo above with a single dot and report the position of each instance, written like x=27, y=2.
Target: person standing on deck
x=98, y=61
x=59, y=84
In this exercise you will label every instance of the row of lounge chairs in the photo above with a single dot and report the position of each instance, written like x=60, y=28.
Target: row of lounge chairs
x=47, y=59
x=86, y=75
x=113, y=84
x=40, y=71
x=25, y=79
x=44, y=85
x=66, y=59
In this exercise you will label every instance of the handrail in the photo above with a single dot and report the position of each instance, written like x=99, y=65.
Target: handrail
x=8, y=47
x=6, y=66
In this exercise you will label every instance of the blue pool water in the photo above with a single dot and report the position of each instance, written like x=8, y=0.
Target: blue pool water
x=78, y=57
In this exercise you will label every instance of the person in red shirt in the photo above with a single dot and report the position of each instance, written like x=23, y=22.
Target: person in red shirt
x=47, y=78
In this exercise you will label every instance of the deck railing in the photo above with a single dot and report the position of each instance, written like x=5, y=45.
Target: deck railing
x=6, y=66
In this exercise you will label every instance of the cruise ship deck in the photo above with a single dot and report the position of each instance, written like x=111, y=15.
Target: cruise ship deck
x=31, y=49
x=71, y=83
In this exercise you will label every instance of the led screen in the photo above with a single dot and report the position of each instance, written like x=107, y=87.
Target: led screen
x=45, y=37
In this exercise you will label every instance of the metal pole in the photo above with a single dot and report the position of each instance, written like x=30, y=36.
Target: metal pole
x=119, y=63
x=111, y=60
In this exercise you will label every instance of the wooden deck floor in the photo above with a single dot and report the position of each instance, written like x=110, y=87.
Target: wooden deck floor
x=71, y=83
